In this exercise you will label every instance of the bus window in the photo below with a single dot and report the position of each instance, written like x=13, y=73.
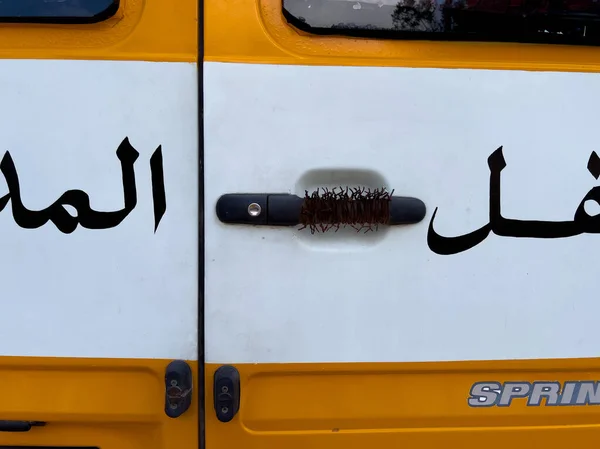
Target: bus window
x=535, y=21
x=70, y=11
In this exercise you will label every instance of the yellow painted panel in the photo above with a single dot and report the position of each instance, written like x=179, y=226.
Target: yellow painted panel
x=343, y=406
x=255, y=31
x=153, y=30
x=108, y=403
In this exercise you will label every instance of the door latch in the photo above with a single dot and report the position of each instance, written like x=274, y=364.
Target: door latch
x=226, y=392
x=178, y=388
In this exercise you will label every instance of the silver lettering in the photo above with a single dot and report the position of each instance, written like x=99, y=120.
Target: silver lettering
x=482, y=394
x=548, y=390
x=566, y=398
x=513, y=390
x=588, y=394
x=569, y=393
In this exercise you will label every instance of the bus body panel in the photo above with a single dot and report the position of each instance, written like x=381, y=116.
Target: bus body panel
x=99, y=200
x=399, y=336
x=99, y=258
x=106, y=271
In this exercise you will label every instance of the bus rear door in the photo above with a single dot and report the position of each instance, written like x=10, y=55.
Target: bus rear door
x=99, y=224
x=401, y=224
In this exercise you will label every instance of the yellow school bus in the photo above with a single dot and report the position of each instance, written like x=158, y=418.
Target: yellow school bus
x=289, y=224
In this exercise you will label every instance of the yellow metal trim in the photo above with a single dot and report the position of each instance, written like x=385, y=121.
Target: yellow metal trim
x=156, y=30
x=255, y=31
x=357, y=405
x=111, y=403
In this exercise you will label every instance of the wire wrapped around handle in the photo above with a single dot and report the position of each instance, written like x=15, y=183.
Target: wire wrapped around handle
x=321, y=210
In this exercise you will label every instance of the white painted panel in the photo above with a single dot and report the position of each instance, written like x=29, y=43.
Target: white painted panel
x=281, y=295
x=125, y=291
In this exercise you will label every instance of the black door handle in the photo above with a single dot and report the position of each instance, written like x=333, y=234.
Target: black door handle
x=282, y=209
x=19, y=426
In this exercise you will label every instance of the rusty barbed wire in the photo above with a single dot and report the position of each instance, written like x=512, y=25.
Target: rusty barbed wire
x=360, y=208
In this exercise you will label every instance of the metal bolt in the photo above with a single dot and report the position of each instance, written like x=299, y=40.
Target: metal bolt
x=172, y=406
x=224, y=410
x=254, y=210
x=173, y=383
x=224, y=389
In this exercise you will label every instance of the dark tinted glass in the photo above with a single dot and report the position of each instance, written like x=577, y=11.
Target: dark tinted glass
x=548, y=21
x=57, y=11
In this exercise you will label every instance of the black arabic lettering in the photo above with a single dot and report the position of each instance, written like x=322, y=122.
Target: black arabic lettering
x=506, y=227
x=590, y=224
x=159, y=195
x=87, y=217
